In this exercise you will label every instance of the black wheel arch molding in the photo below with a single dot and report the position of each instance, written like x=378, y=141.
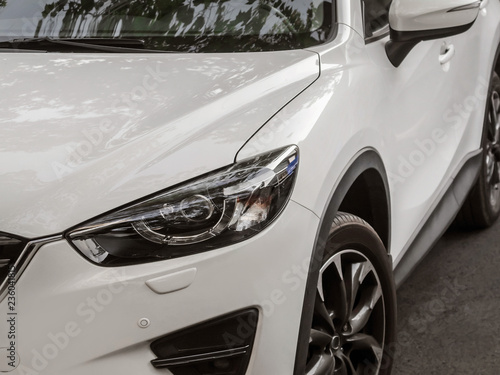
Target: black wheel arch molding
x=365, y=164
x=495, y=67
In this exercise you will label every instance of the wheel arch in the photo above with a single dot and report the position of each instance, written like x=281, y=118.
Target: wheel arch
x=496, y=61
x=364, y=189
x=368, y=199
x=496, y=66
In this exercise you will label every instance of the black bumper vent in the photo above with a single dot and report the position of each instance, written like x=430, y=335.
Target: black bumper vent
x=221, y=346
x=10, y=251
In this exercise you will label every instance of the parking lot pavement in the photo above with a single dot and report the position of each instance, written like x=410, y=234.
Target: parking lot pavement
x=449, y=308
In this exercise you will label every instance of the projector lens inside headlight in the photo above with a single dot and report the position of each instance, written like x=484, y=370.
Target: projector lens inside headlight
x=210, y=212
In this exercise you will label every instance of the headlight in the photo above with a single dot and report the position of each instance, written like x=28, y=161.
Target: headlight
x=216, y=210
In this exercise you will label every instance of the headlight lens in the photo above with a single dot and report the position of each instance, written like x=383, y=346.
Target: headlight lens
x=216, y=210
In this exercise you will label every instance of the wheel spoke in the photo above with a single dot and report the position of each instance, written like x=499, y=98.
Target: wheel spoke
x=495, y=178
x=361, y=341
x=363, y=311
x=495, y=107
x=352, y=279
x=492, y=161
x=342, y=370
x=320, y=339
x=322, y=316
x=335, y=295
x=346, y=365
x=340, y=308
x=322, y=364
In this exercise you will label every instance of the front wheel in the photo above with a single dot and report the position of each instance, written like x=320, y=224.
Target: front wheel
x=354, y=317
x=482, y=207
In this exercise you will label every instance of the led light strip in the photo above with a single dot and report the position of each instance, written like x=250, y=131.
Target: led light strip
x=228, y=215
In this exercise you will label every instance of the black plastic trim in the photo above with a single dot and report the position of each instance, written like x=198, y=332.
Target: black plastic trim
x=189, y=359
x=366, y=161
x=402, y=42
x=220, y=346
x=397, y=51
x=496, y=62
x=411, y=36
x=11, y=248
x=440, y=219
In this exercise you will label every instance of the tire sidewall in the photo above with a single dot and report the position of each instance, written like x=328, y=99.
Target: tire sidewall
x=359, y=236
x=492, y=213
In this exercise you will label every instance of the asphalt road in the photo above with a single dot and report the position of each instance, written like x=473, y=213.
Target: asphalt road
x=449, y=308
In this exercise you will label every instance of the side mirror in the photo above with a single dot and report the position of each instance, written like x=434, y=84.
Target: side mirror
x=414, y=21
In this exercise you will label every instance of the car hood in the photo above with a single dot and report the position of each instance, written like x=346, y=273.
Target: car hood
x=83, y=134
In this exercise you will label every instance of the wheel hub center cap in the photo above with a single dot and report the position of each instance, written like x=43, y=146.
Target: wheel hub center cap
x=336, y=342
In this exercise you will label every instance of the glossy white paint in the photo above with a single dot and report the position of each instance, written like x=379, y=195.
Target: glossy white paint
x=422, y=130
x=414, y=15
x=150, y=122
x=100, y=307
x=84, y=134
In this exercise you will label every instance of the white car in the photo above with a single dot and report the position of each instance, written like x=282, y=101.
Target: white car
x=233, y=187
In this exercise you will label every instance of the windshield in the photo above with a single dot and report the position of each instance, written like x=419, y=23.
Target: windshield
x=174, y=25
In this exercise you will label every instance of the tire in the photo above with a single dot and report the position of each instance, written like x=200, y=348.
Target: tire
x=354, y=322
x=482, y=207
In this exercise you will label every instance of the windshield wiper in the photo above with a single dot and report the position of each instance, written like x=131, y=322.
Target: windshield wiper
x=67, y=44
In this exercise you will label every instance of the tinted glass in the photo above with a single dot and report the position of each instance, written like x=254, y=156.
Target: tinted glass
x=182, y=25
x=376, y=13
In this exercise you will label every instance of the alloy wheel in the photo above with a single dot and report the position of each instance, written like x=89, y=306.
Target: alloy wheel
x=493, y=149
x=347, y=334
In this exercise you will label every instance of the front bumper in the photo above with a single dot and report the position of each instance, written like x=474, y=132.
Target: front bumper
x=76, y=318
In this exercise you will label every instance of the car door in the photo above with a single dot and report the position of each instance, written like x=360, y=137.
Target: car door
x=421, y=112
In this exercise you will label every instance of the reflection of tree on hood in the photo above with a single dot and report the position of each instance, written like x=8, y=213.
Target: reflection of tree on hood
x=3, y=3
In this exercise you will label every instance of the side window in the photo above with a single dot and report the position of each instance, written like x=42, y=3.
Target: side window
x=376, y=15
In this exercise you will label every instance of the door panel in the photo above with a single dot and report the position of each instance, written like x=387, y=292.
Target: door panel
x=430, y=104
